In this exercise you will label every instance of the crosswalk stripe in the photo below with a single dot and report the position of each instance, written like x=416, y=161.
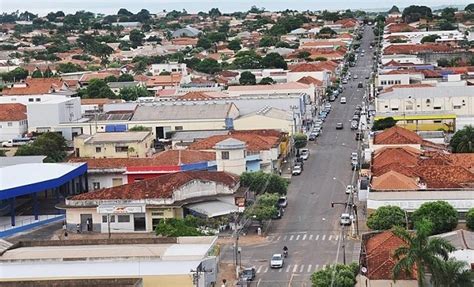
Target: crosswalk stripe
x=301, y=268
x=279, y=270
x=324, y=237
x=309, y=268
x=317, y=237
x=310, y=236
x=259, y=269
x=297, y=237
x=291, y=237
x=304, y=237
x=337, y=237
x=295, y=267
x=288, y=268
x=278, y=238
x=266, y=269
x=330, y=237
x=284, y=238
x=316, y=267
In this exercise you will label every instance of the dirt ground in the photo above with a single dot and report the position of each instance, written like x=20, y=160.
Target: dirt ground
x=227, y=272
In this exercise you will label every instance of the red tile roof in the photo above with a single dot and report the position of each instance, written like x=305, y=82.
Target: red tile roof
x=402, y=27
x=445, y=176
x=35, y=86
x=308, y=80
x=12, y=112
x=417, y=48
x=158, y=187
x=165, y=158
x=255, y=140
x=305, y=67
x=379, y=259
x=406, y=155
x=465, y=160
x=397, y=135
x=393, y=180
x=195, y=96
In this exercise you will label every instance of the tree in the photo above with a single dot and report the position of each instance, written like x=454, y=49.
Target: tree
x=469, y=8
x=443, y=62
x=261, y=182
x=446, y=26
x=136, y=37
x=264, y=207
x=274, y=60
x=139, y=129
x=204, y=43
x=209, y=66
x=69, y=68
x=234, y=45
x=2, y=153
x=15, y=75
x=133, y=93
x=300, y=140
x=267, y=41
x=452, y=273
x=327, y=31
x=441, y=213
x=215, y=37
x=111, y=79
x=470, y=219
x=175, y=227
x=282, y=44
x=413, y=13
x=247, y=78
x=267, y=81
x=421, y=251
x=343, y=275
x=37, y=74
x=98, y=88
x=247, y=61
x=384, y=123
x=430, y=38
x=394, y=9
x=125, y=78
x=124, y=12
x=448, y=14
x=386, y=217
x=463, y=140
x=50, y=144
x=48, y=73
x=214, y=13
x=303, y=55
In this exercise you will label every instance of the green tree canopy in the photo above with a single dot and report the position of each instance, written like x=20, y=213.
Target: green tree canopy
x=303, y=55
x=463, y=140
x=384, y=123
x=133, y=93
x=136, y=37
x=300, y=140
x=261, y=182
x=50, y=144
x=453, y=273
x=414, y=13
x=344, y=276
x=327, y=31
x=204, y=42
x=421, y=251
x=249, y=60
x=69, y=68
x=443, y=62
x=267, y=81
x=264, y=208
x=37, y=74
x=98, y=88
x=209, y=66
x=267, y=41
x=274, y=60
x=140, y=129
x=247, y=78
x=125, y=78
x=15, y=75
x=441, y=213
x=386, y=217
x=235, y=45
x=394, y=9
x=470, y=219
x=430, y=38
x=469, y=8
x=175, y=227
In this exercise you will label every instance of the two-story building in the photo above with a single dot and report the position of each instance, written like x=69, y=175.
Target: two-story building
x=13, y=121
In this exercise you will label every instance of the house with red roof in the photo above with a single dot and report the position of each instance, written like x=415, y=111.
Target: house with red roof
x=13, y=121
x=138, y=207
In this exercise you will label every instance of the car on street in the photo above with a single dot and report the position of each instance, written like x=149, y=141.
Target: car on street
x=357, y=112
x=279, y=213
x=349, y=189
x=344, y=81
x=359, y=136
x=304, y=153
x=317, y=129
x=367, y=77
x=327, y=105
x=248, y=274
x=359, y=86
x=312, y=136
x=339, y=126
x=355, y=77
x=354, y=155
x=355, y=117
x=276, y=261
x=318, y=122
x=354, y=125
x=297, y=169
x=343, y=100
x=283, y=201
x=345, y=219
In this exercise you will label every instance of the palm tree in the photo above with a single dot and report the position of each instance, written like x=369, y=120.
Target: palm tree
x=463, y=140
x=420, y=252
x=453, y=273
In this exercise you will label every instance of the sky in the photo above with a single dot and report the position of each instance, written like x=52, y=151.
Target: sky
x=42, y=7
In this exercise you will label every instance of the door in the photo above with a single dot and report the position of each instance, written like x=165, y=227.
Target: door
x=160, y=133
x=139, y=222
x=86, y=222
x=117, y=181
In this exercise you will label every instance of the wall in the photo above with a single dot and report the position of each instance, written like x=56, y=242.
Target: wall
x=235, y=164
x=256, y=122
x=49, y=114
x=16, y=130
x=73, y=217
x=105, y=180
x=108, y=150
x=383, y=80
x=196, y=188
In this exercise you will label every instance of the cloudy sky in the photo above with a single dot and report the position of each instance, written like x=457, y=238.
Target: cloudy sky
x=42, y=7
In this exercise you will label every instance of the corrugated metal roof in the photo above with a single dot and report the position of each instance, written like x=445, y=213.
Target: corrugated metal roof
x=181, y=112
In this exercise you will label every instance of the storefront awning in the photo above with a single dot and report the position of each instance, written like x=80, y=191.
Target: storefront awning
x=213, y=208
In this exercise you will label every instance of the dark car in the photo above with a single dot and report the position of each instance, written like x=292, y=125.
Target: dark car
x=312, y=137
x=279, y=214
x=360, y=85
x=359, y=136
x=248, y=274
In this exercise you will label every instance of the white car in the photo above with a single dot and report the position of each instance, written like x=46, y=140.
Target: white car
x=355, y=77
x=343, y=100
x=346, y=219
x=304, y=153
x=276, y=261
x=349, y=189
x=354, y=156
x=296, y=170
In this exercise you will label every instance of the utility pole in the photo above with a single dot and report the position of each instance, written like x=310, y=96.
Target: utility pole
x=197, y=274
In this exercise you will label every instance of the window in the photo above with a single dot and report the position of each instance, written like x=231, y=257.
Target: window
x=409, y=107
x=437, y=121
x=31, y=100
x=386, y=107
x=38, y=99
x=121, y=149
x=96, y=185
x=104, y=218
x=409, y=121
x=394, y=109
x=112, y=218
x=98, y=149
x=123, y=218
x=178, y=128
x=158, y=214
x=225, y=155
x=457, y=107
x=436, y=108
x=10, y=124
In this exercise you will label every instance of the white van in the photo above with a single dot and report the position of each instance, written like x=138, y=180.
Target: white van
x=343, y=100
x=16, y=142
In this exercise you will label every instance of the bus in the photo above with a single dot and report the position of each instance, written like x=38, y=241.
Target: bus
x=16, y=142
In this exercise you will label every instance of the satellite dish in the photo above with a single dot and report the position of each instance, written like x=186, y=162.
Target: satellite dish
x=363, y=270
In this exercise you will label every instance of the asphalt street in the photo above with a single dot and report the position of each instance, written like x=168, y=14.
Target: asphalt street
x=310, y=227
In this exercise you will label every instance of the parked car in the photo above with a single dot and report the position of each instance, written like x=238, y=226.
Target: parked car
x=297, y=170
x=283, y=201
x=276, y=261
x=317, y=129
x=279, y=213
x=354, y=125
x=355, y=118
x=359, y=136
x=327, y=105
x=355, y=77
x=339, y=126
x=360, y=85
x=345, y=219
x=343, y=100
x=248, y=274
x=304, y=153
x=354, y=155
x=312, y=137
x=349, y=189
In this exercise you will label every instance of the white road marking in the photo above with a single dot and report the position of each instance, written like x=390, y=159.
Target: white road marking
x=304, y=237
x=330, y=237
x=259, y=269
x=317, y=237
x=278, y=238
x=301, y=268
x=288, y=268
x=324, y=237
x=297, y=237
x=337, y=237
x=309, y=268
x=291, y=237
x=279, y=270
x=310, y=236
x=266, y=270
x=284, y=238
x=316, y=267
x=295, y=267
